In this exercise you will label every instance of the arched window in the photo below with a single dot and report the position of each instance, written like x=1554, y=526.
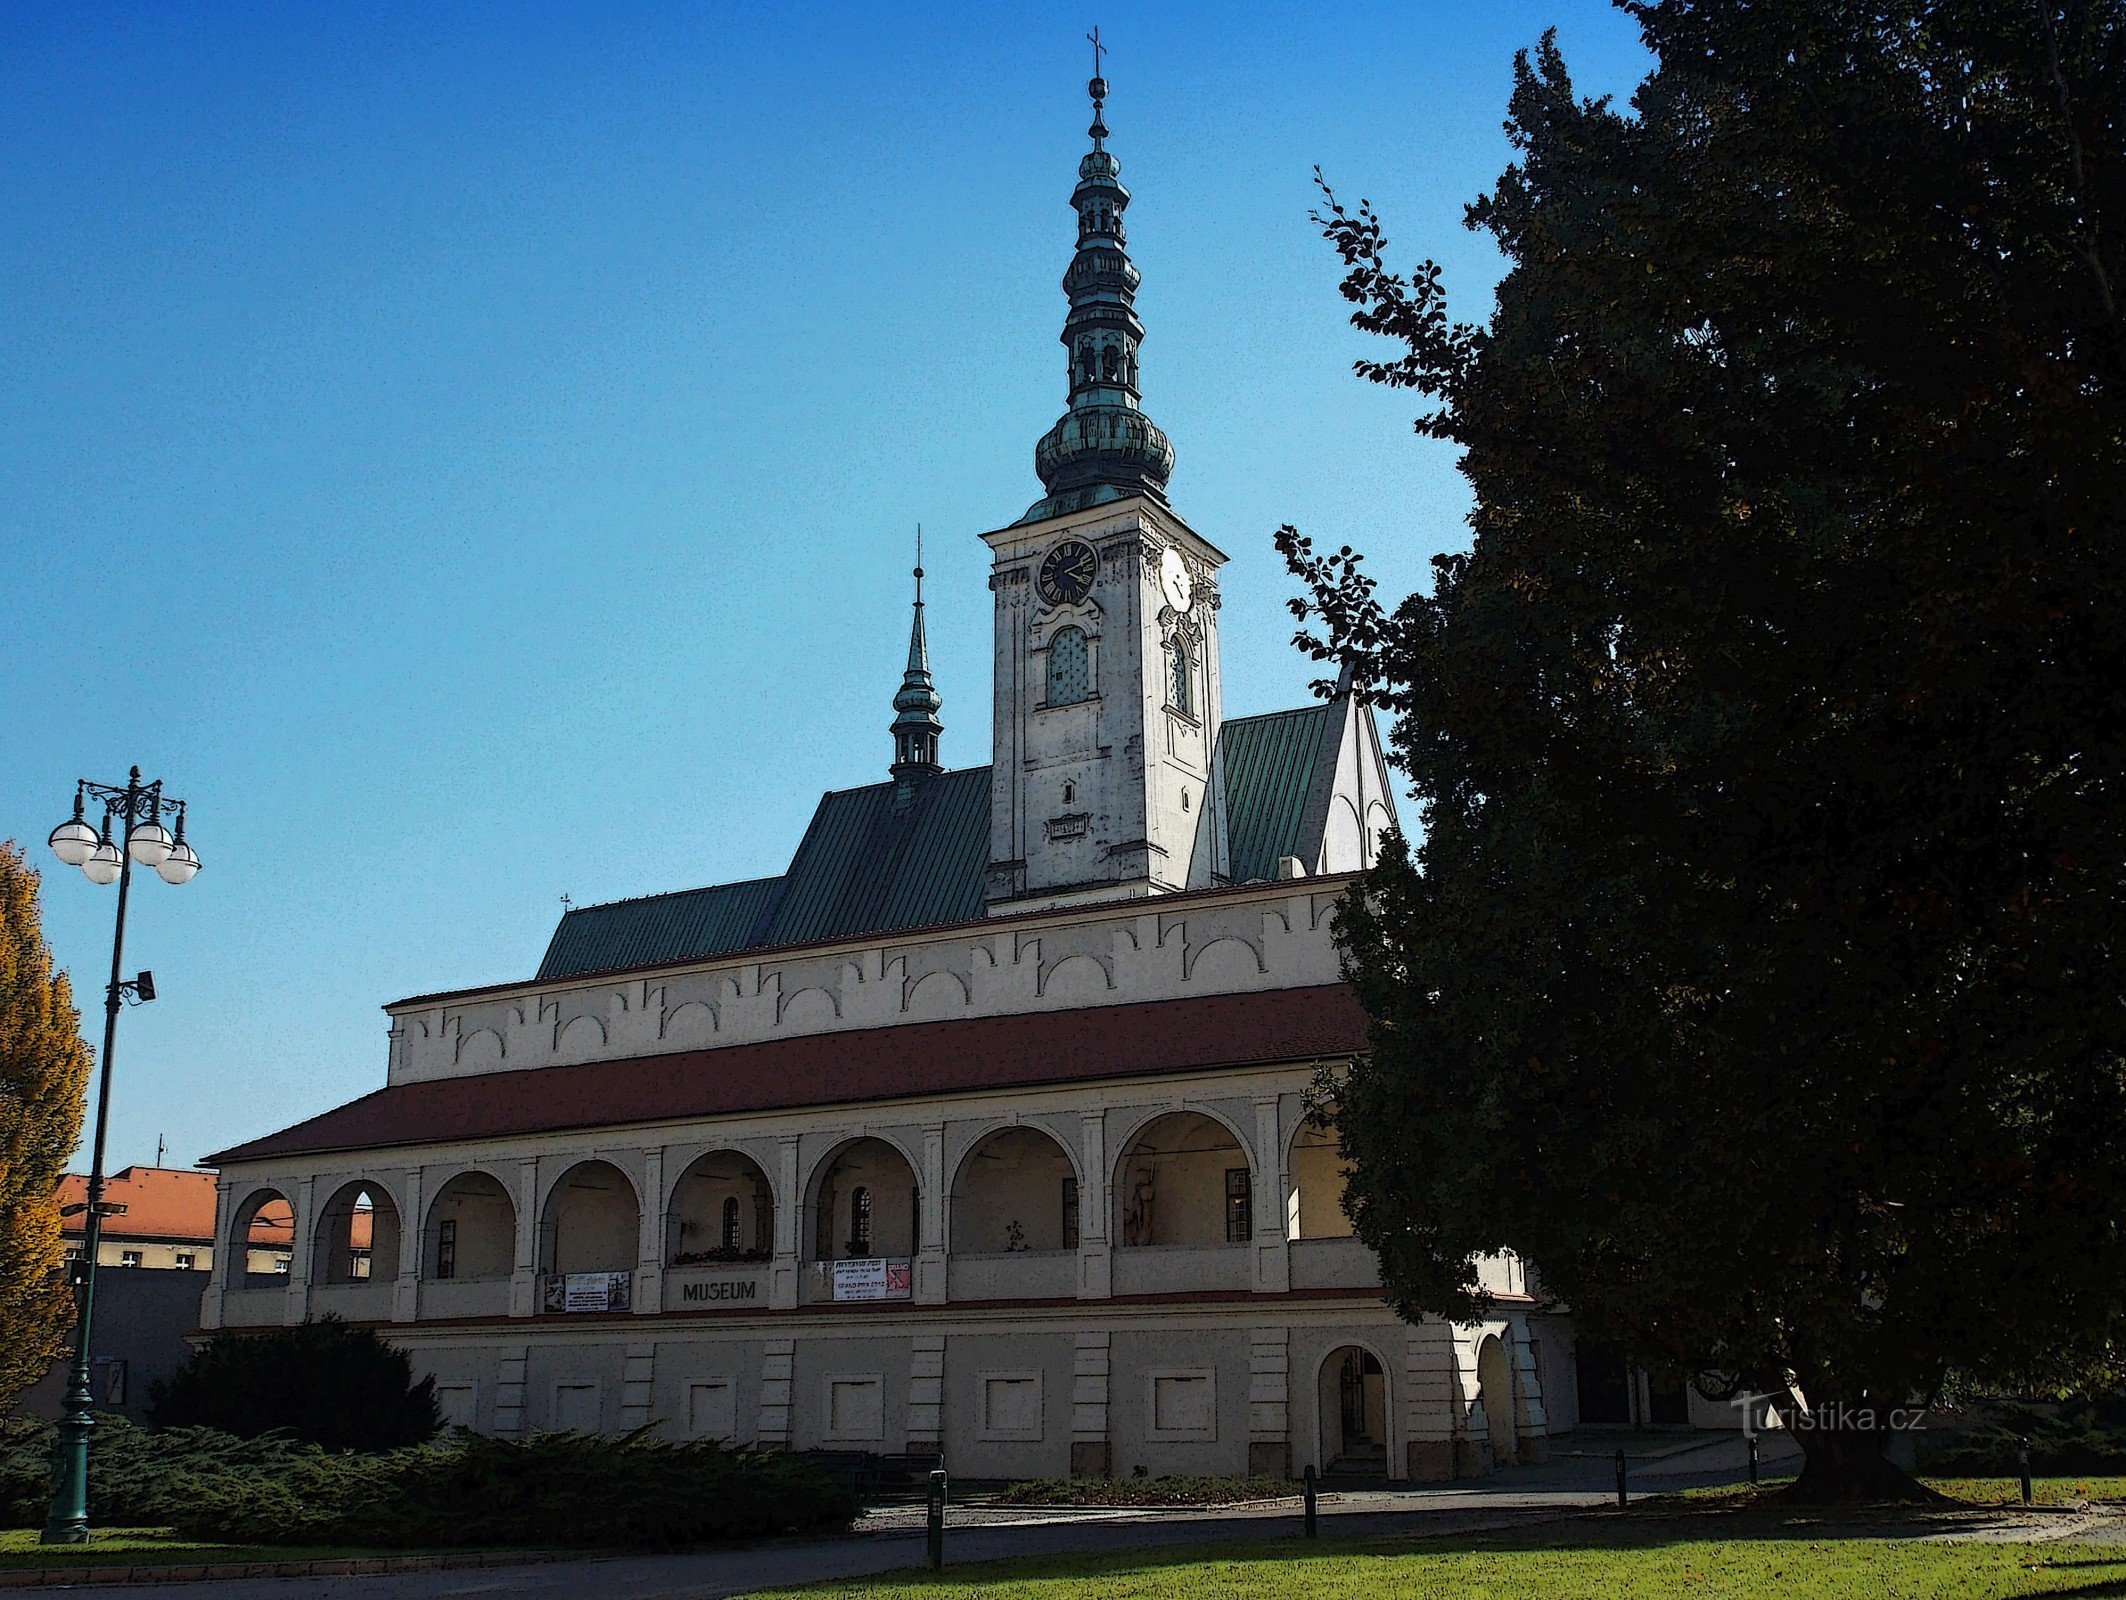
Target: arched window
x=1069, y=671
x=730, y=1222
x=860, y=1221
x=1180, y=691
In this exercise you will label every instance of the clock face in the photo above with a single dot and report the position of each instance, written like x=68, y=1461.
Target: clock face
x=1174, y=581
x=1067, y=575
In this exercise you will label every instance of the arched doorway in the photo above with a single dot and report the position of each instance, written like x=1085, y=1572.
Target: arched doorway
x=1353, y=1399
x=472, y=1230
x=1184, y=1181
x=261, y=1240
x=357, y=1237
x=592, y=1221
x=866, y=1205
x=722, y=1211
x=1017, y=1192
x=1494, y=1379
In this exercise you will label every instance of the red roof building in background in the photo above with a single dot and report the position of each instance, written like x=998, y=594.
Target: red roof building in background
x=168, y=1222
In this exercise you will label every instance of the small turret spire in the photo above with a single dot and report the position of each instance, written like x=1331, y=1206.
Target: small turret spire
x=915, y=721
x=1104, y=447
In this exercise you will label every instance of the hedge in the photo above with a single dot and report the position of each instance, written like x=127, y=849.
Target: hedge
x=631, y=1490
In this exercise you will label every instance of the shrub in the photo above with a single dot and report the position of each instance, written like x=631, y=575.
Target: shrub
x=2074, y=1437
x=322, y=1382
x=553, y=1489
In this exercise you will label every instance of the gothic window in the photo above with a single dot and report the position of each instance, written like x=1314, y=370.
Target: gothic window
x=730, y=1222
x=1180, y=667
x=1069, y=671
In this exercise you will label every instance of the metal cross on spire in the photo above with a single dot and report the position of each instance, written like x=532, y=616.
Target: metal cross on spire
x=1099, y=49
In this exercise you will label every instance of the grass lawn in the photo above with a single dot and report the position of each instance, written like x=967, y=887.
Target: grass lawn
x=1582, y=1561
x=1978, y=1491
x=144, y=1547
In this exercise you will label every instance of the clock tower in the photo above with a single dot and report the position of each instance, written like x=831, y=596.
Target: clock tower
x=1107, y=694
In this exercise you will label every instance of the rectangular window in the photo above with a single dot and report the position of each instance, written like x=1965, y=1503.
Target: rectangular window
x=447, y=1248
x=1239, y=1195
x=358, y=1265
x=185, y=1259
x=129, y=1258
x=1070, y=1213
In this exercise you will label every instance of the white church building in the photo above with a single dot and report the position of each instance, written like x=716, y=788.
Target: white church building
x=981, y=1131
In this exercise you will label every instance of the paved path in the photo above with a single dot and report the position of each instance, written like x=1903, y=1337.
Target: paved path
x=893, y=1539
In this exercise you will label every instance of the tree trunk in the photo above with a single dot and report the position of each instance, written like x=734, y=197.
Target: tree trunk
x=1845, y=1465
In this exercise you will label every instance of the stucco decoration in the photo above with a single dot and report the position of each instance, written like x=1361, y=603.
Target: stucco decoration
x=693, y=1023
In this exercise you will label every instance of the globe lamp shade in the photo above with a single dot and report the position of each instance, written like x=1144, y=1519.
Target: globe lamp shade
x=149, y=843
x=73, y=841
x=103, y=863
x=179, y=865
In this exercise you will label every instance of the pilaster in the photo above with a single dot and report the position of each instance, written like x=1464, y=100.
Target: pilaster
x=649, y=1272
x=509, y=1389
x=1096, y=1203
x=637, y=1382
x=1269, y=1409
x=300, y=1202
x=789, y=1216
x=1090, y=1453
x=1273, y=1255
x=524, y=1281
x=929, y=1287
x=406, y=1293
x=777, y=1361
x=926, y=1393
x=210, y=1307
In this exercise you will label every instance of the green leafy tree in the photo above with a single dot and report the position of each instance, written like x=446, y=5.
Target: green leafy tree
x=1758, y=970
x=44, y=1067
x=322, y=1382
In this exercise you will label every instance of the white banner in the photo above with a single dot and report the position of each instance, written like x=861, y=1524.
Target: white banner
x=588, y=1291
x=871, y=1280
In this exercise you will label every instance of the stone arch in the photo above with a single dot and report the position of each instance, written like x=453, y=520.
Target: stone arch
x=1230, y=949
x=1016, y=1189
x=864, y=1201
x=261, y=1240
x=1494, y=1387
x=1314, y=1206
x=471, y=1231
x=579, y=1033
x=1076, y=976
x=937, y=994
x=1354, y=1390
x=721, y=1208
x=591, y=1220
x=812, y=1003
x=480, y=1046
x=356, y=1239
x=1184, y=1178
x=696, y=1018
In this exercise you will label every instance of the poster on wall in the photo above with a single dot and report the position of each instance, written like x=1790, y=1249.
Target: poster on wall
x=587, y=1291
x=871, y=1280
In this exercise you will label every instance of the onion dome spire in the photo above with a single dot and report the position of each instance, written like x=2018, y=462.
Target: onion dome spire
x=1104, y=447
x=915, y=707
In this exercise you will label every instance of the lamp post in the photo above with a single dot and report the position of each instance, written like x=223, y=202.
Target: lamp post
x=137, y=809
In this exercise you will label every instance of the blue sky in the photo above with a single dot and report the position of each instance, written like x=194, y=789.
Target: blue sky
x=472, y=453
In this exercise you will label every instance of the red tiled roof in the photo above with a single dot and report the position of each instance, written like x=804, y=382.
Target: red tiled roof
x=160, y=1203
x=915, y=1058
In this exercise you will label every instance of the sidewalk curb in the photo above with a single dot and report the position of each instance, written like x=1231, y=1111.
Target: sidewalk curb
x=60, y=1574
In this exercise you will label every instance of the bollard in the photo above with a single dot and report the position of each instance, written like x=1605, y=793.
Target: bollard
x=2022, y=1461
x=1313, y=1530
x=1623, y=1498
x=937, y=1519
x=1753, y=1461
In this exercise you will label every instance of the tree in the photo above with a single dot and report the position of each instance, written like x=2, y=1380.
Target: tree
x=1758, y=970
x=321, y=1382
x=44, y=1068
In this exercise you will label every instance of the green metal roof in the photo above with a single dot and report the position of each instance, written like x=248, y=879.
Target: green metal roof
x=658, y=928
x=866, y=867
x=1270, y=762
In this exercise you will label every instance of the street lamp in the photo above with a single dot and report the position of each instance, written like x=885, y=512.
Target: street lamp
x=137, y=810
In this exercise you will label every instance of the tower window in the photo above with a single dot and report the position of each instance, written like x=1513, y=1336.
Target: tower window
x=1180, y=689
x=730, y=1222
x=1069, y=670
